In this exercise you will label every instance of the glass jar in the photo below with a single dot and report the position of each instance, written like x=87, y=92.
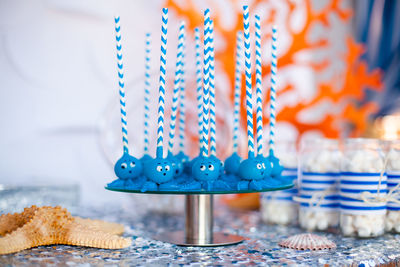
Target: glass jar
x=319, y=169
x=363, y=187
x=278, y=207
x=392, y=223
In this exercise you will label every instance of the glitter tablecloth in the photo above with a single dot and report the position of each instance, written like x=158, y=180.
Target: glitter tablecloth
x=260, y=248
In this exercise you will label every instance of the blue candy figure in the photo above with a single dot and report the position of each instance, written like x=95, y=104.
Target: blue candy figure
x=177, y=166
x=206, y=171
x=185, y=160
x=276, y=167
x=252, y=172
x=232, y=164
x=159, y=173
x=129, y=172
x=128, y=168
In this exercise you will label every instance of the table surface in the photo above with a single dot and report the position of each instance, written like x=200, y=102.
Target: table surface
x=259, y=248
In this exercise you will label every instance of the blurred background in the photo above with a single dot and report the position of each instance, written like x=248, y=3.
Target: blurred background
x=338, y=68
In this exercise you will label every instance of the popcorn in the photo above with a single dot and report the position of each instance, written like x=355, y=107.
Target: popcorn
x=276, y=212
x=318, y=219
x=392, y=221
x=393, y=176
x=363, y=161
x=322, y=161
x=368, y=225
x=393, y=160
x=362, y=170
x=319, y=164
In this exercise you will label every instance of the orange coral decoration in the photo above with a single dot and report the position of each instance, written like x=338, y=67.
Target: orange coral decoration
x=347, y=98
x=355, y=75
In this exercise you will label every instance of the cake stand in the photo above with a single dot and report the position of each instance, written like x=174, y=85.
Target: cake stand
x=199, y=218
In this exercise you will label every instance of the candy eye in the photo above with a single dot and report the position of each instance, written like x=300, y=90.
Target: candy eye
x=167, y=168
x=159, y=168
x=132, y=164
x=259, y=166
x=263, y=165
x=203, y=167
x=211, y=167
x=124, y=165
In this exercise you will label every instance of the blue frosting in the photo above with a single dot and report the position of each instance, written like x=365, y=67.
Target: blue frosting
x=204, y=174
x=177, y=165
x=145, y=157
x=128, y=167
x=232, y=164
x=276, y=167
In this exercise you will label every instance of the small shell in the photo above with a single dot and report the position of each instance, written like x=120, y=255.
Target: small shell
x=307, y=242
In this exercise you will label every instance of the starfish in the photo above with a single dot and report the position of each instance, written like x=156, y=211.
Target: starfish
x=54, y=225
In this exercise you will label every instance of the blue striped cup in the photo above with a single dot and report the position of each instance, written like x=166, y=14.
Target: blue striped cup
x=353, y=185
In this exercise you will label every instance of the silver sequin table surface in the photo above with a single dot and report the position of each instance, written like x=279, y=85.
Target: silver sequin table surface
x=260, y=248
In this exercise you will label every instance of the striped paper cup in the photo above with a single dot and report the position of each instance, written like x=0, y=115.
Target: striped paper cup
x=393, y=179
x=351, y=187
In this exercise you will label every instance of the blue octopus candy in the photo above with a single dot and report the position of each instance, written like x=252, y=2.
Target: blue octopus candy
x=252, y=172
x=159, y=173
x=187, y=167
x=219, y=163
x=276, y=167
x=177, y=166
x=232, y=164
x=267, y=164
x=206, y=171
x=129, y=170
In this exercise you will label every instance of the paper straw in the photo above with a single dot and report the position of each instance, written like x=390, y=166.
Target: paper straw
x=249, y=106
x=199, y=84
x=259, y=86
x=182, y=109
x=272, y=116
x=177, y=81
x=147, y=91
x=206, y=81
x=238, y=85
x=121, y=83
x=213, y=145
x=161, y=89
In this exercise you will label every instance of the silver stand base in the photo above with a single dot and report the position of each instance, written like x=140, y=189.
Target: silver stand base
x=219, y=239
x=199, y=224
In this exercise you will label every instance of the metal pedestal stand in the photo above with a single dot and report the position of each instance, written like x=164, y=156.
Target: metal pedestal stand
x=199, y=226
x=200, y=218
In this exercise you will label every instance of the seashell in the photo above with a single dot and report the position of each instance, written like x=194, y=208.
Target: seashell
x=307, y=242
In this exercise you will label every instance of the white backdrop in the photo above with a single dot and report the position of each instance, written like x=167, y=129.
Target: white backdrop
x=58, y=81
x=57, y=76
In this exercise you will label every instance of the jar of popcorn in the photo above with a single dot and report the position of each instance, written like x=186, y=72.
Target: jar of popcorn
x=363, y=188
x=393, y=182
x=319, y=169
x=278, y=207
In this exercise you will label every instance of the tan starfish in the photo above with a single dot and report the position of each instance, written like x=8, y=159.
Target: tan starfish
x=53, y=225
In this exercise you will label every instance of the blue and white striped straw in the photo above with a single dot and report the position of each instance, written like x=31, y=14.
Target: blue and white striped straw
x=274, y=64
x=147, y=91
x=213, y=145
x=238, y=87
x=182, y=108
x=199, y=84
x=249, y=106
x=161, y=89
x=121, y=83
x=259, y=87
x=177, y=81
x=206, y=80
